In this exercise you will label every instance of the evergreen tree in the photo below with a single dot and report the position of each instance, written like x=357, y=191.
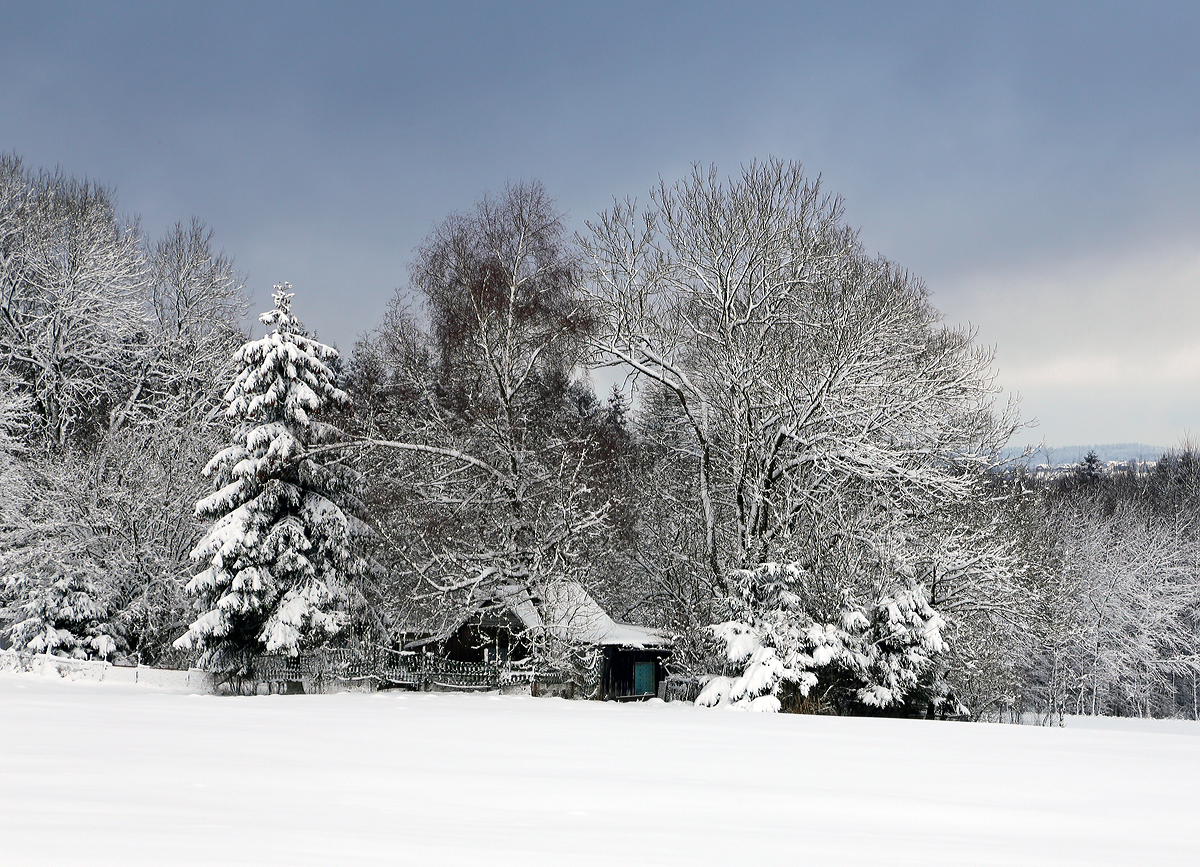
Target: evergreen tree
x=64, y=614
x=1090, y=470
x=282, y=560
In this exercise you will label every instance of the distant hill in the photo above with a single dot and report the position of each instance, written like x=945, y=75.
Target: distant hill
x=1106, y=452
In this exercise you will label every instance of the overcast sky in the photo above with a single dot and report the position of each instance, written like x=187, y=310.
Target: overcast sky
x=1037, y=165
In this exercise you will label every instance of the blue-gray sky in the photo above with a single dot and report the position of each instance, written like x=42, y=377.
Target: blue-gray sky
x=1037, y=164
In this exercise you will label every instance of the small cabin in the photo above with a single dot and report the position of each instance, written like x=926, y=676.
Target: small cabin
x=633, y=656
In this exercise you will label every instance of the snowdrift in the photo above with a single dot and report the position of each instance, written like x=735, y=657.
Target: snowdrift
x=106, y=773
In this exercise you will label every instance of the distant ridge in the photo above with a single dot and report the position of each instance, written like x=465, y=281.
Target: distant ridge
x=1106, y=452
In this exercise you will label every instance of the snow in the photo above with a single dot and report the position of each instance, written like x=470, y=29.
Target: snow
x=102, y=773
x=572, y=614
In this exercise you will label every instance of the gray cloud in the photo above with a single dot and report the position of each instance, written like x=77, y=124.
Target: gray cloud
x=1035, y=163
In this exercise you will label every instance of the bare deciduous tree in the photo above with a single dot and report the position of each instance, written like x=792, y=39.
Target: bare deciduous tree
x=830, y=414
x=487, y=446
x=71, y=274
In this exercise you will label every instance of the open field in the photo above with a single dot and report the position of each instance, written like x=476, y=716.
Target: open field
x=96, y=773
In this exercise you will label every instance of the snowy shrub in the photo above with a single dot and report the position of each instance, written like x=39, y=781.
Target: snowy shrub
x=281, y=558
x=872, y=654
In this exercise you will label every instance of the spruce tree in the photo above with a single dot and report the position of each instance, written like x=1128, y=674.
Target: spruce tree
x=64, y=614
x=281, y=556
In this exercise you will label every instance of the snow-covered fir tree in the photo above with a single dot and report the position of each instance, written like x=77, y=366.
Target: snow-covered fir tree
x=64, y=614
x=281, y=555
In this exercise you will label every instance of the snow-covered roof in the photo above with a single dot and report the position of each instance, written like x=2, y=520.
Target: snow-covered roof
x=569, y=612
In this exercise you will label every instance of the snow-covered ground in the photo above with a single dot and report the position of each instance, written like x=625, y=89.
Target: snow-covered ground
x=102, y=773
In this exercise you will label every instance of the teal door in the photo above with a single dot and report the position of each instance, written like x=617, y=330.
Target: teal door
x=643, y=678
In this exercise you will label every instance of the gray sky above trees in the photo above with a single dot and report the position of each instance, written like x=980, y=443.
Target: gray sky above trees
x=1037, y=164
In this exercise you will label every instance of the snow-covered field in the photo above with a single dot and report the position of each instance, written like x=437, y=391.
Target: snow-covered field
x=96, y=773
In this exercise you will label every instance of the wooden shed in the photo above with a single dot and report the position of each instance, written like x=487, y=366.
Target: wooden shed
x=633, y=656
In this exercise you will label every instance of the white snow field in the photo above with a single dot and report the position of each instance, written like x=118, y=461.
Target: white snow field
x=101, y=773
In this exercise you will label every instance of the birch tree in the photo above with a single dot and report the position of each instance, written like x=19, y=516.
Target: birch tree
x=488, y=446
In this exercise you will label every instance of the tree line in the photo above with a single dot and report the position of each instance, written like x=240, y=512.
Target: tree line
x=799, y=472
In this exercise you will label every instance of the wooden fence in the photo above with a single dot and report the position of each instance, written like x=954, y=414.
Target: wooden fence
x=385, y=668
x=328, y=670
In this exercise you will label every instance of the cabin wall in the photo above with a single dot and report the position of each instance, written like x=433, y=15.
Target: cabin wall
x=618, y=677
x=483, y=643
